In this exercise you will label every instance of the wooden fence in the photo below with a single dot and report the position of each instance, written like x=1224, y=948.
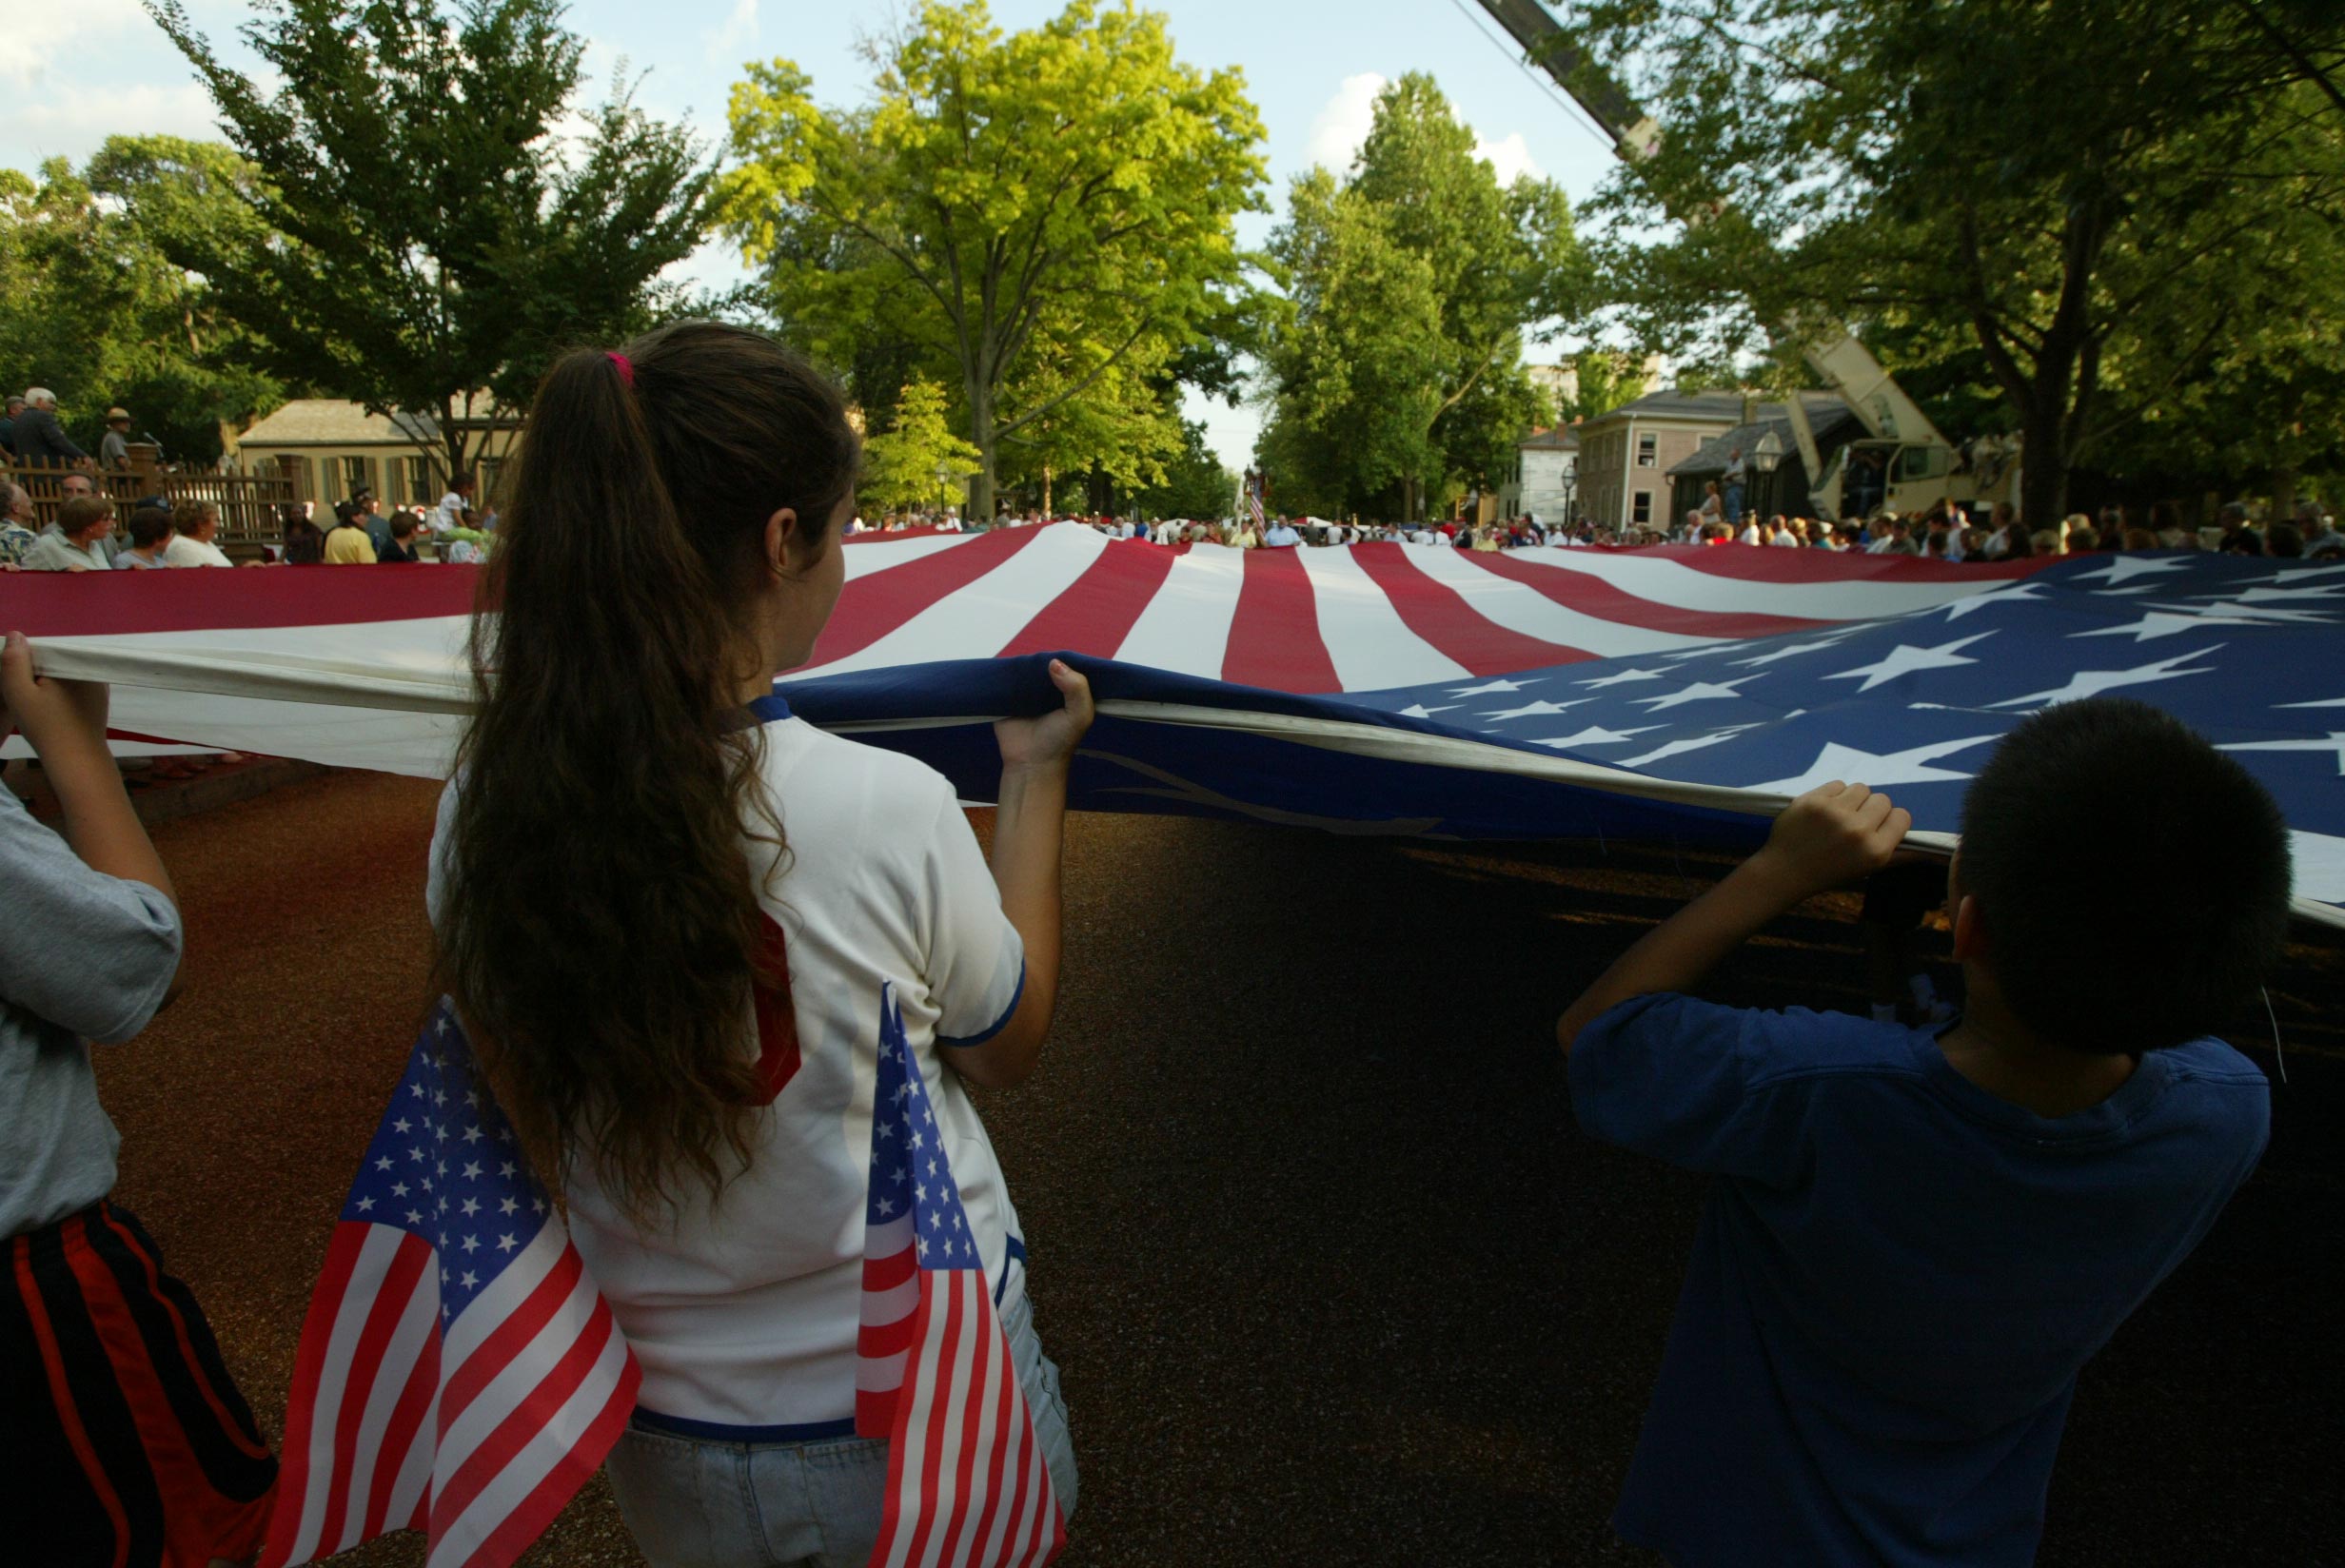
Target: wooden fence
x=247, y=502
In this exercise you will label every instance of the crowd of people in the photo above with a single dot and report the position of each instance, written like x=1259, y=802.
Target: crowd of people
x=1942, y=533
x=88, y=533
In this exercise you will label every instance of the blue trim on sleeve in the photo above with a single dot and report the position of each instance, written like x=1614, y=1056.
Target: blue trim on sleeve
x=1013, y=1253
x=677, y=1426
x=963, y=1041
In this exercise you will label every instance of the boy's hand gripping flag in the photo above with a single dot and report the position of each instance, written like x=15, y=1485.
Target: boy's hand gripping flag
x=458, y=1373
x=967, y=1485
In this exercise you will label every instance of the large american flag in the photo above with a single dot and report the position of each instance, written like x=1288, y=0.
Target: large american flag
x=967, y=1485
x=1367, y=688
x=458, y=1373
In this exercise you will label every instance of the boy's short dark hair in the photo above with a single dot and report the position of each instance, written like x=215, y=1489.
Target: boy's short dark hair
x=149, y=526
x=2132, y=881
x=404, y=524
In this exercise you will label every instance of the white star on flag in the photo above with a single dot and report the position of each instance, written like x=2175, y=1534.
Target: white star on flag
x=2086, y=683
x=1623, y=679
x=2324, y=702
x=1677, y=748
x=1792, y=652
x=2265, y=595
x=2125, y=568
x=1418, y=710
x=1904, y=659
x=2334, y=744
x=1962, y=607
x=1836, y=761
x=1701, y=691
x=1596, y=734
x=1537, y=709
x=2158, y=624
x=1487, y=687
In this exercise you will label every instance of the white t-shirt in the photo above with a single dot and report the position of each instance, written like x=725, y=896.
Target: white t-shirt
x=184, y=550
x=745, y=1316
x=448, y=514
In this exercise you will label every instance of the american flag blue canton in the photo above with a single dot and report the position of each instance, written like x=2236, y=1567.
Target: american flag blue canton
x=2244, y=650
x=909, y=1174
x=444, y=1166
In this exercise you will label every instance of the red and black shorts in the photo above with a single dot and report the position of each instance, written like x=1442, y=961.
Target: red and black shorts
x=123, y=1441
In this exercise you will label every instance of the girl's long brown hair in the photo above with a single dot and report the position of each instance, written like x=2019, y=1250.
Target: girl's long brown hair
x=600, y=928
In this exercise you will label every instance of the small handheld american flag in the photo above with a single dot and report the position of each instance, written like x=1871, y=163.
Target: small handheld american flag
x=967, y=1485
x=458, y=1373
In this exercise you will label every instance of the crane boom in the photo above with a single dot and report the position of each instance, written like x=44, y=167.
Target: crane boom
x=1845, y=365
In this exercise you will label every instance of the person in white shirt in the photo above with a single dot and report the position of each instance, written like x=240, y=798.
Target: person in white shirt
x=195, y=524
x=1750, y=532
x=1282, y=535
x=676, y=988
x=450, y=512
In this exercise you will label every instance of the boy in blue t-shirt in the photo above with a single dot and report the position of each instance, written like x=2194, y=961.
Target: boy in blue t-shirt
x=1920, y=1236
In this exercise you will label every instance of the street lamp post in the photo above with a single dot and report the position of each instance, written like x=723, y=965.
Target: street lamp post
x=1766, y=456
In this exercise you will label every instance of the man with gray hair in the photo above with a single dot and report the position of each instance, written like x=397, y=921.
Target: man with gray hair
x=16, y=520
x=41, y=440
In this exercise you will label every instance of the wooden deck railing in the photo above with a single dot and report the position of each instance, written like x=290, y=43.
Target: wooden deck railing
x=247, y=502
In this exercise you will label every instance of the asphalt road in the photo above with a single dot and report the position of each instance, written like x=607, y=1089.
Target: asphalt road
x=1330, y=1276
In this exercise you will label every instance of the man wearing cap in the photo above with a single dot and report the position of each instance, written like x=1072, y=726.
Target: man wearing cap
x=114, y=446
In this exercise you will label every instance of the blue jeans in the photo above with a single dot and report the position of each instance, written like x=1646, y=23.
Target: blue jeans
x=697, y=1503
x=1734, y=506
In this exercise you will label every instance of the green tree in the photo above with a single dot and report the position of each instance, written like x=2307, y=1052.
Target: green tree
x=1411, y=285
x=2063, y=189
x=919, y=461
x=444, y=237
x=1603, y=379
x=1044, y=216
x=1195, y=485
x=93, y=307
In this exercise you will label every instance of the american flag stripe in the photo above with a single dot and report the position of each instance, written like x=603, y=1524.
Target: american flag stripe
x=539, y=1450
x=459, y=1372
x=936, y=1374
x=1457, y=618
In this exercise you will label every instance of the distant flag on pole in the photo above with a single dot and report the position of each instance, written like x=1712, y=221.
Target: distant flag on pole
x=967, y=1485
x=458, y=1373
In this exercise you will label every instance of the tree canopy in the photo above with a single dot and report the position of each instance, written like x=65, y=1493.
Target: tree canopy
x=919, y=461
x=95, y=306
x=1412, y=282
x=2085, y=201
x=437, y=236
x=1043, y=217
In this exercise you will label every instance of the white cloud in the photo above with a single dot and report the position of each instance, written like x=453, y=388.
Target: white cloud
x=42, y=38
x=74, y=123
x=1343, y=125
x=739, y=28
x=1508, y=156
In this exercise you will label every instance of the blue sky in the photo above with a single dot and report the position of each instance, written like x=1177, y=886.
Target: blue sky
x=77, y=73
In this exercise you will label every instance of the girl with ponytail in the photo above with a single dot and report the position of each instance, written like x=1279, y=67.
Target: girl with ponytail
x=666, y=909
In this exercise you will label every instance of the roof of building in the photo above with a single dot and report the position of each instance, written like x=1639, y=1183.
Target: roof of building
x=1562, y=437
x=1828, y=423
x=333, y=421
x=1711, y=407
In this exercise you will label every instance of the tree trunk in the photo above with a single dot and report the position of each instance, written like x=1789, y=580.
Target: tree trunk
x=2043, y=474
x=980, y=507
x=2283, y=494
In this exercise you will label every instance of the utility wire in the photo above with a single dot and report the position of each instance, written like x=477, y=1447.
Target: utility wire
x=1573, y=111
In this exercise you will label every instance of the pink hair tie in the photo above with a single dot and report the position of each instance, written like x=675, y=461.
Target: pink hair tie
x=627, y=365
